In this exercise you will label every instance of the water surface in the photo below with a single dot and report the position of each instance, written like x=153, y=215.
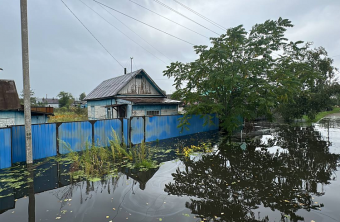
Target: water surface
x=276, y=173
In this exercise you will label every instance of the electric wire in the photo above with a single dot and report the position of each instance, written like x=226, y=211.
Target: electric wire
x=168, y=7
x=200, y=15
x=92, y=34
x=135, y=32
x=169, y=19
x=122, y=32
x=145, y=23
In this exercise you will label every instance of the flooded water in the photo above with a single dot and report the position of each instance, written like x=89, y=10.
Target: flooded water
x=276, y=173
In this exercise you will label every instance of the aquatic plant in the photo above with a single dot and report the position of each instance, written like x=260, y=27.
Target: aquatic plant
x=189, y=150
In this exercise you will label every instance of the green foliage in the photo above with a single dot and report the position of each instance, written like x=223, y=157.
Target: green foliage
x=82, y=96
x=65, y=99
x=32, y=98
x=321, y=115
x=241, y=74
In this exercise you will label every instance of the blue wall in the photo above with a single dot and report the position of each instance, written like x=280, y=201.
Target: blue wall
x=105, y=102
x=19, y=119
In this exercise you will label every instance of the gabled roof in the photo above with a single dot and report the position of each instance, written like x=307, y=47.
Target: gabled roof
x=111, y=87
x=50, y=101
x=9, y=99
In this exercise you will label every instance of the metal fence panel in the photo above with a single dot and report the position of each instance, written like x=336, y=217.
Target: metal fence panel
x=137, y=130
x=44, y=141
x=5, y=148
x=126, y=130
x=74, y=136
x=164, y=127
x=161, y=127
x=18, y=144
x=103, y=131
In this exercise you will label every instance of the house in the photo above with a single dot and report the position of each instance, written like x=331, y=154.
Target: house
x=79, y=103
x=132, y=94
x=49, y=102
x=12, y=113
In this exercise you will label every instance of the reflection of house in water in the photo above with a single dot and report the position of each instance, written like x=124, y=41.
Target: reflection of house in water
x=142, y=177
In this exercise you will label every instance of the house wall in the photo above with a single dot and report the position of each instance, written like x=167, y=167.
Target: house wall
x=97, y=109
x=10, y=118
x=139, y=86
x=165, y=109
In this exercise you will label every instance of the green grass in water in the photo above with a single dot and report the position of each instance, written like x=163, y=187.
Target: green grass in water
x=321, y=115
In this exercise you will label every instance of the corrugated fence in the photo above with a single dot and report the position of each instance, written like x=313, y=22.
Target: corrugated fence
x=51, y=139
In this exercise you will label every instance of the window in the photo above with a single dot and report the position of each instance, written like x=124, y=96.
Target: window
x=152, y=113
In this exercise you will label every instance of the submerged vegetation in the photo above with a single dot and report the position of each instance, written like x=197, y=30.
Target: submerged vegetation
x=95, y=162
x=189, y=150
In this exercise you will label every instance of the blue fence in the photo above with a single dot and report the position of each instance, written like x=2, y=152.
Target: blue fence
x=126, y=131
x=74, y=136
x=5, y=148
x=137, y=129
x=165, y=127
x=51, y=139
x=103, y=131
x=44, y=142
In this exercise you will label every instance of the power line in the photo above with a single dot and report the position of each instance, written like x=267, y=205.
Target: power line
x=135, y=32
x=92, y=34
x=334, y=56
x=122, y=32
x=145, y=23
x=168, y=7
x=169, y=19
x=202, y=16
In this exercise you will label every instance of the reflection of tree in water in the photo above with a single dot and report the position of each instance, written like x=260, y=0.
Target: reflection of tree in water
x=229, y=184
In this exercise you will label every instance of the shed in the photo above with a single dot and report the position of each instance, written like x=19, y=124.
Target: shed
x=132, y=94
x=12, y=113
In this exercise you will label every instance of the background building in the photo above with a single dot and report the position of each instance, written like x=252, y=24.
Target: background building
x=132, y=94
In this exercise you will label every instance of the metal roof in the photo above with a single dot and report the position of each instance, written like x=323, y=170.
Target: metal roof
x=9, y=99
x=143, y=100
x=111, y=87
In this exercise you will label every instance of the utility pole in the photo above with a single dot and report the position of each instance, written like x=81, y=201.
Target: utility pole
x=131, y=63
x=26, y=78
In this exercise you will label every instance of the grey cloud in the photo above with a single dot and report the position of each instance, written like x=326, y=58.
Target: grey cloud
x=64, y=56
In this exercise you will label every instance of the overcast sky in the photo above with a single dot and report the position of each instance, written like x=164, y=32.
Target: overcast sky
x=65, y=57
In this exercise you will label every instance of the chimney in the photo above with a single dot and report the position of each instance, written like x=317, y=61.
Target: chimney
x=124, y=71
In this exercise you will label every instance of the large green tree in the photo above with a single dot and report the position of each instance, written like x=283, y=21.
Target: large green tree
x=65, y=99
x=244, y=74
